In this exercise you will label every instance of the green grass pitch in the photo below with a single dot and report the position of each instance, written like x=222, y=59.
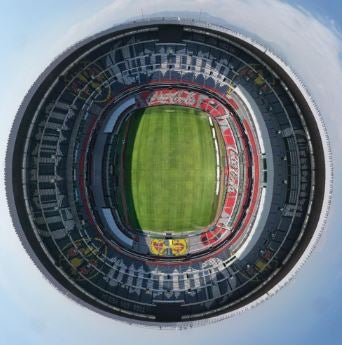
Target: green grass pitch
x=169, y=168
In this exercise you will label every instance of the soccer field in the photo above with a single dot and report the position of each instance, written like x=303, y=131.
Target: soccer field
x=169, y=169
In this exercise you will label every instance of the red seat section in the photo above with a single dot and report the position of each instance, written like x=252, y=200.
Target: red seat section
x=212, y=236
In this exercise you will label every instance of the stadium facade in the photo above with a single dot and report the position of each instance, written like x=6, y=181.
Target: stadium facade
x=77, y=211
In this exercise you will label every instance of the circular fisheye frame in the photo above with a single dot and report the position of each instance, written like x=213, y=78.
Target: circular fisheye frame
x=168, y=172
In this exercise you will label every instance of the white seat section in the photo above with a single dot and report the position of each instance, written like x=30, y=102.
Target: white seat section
x=116, y=113
x=112, y=225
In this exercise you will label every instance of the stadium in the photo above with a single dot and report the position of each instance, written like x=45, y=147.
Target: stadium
x=168, y=172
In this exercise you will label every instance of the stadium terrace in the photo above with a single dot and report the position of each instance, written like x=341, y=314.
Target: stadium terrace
x=168, y=172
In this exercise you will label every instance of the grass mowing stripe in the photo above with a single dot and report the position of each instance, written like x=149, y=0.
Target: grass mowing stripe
x=186, y=128
x=207, y=175
x=195, y=175
x=176, y=133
